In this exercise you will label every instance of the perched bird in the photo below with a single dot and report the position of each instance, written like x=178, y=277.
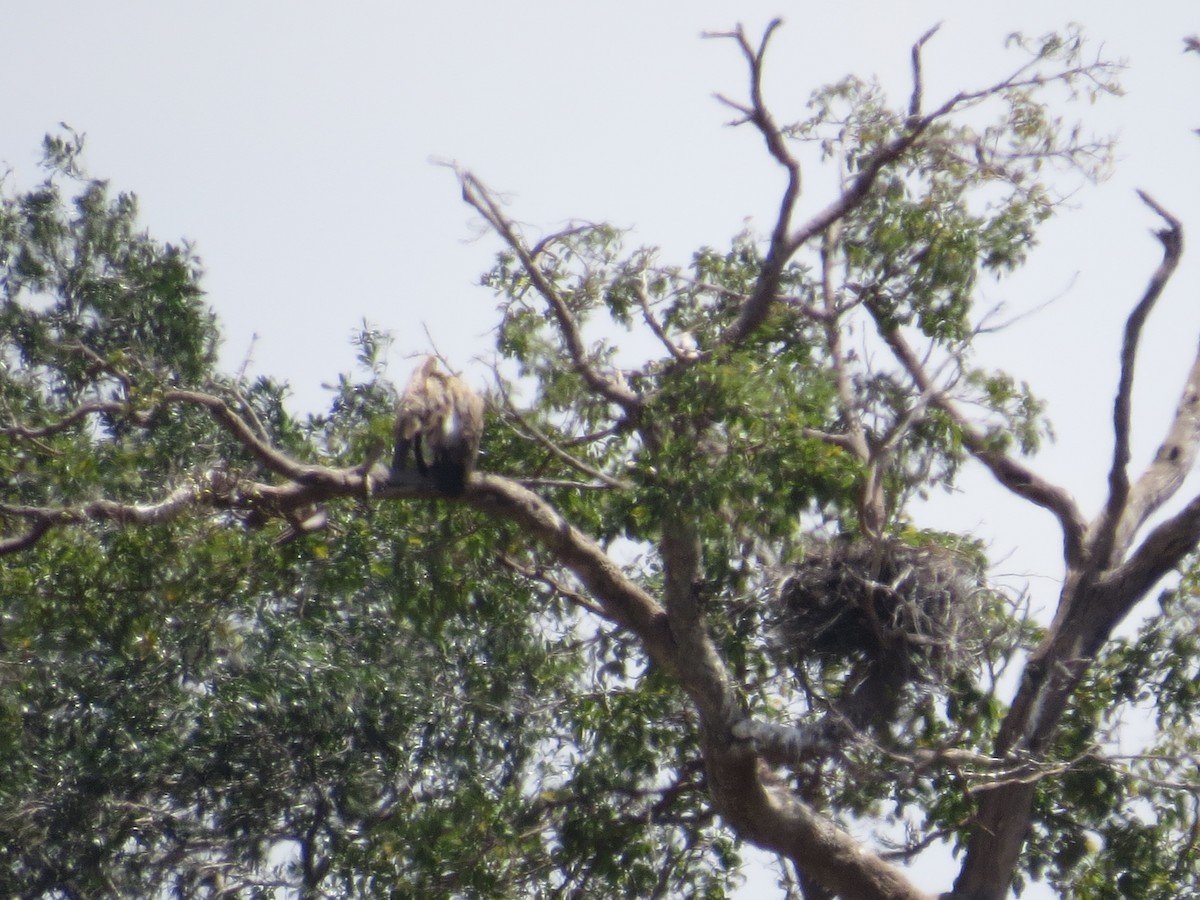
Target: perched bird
x=440, y=420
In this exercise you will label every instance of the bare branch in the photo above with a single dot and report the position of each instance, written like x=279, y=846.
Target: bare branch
x=1158, y=555
x=1105, y=545
x=918, y=90
x=1015, y=476
x=477, y=195
x=1171, y=465
x=245, y=434
x=754, y=310
x=757, y=113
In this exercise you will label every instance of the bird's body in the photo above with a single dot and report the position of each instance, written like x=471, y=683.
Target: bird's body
x=440, y=420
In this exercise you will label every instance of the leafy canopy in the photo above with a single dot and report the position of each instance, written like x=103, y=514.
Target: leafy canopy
x=201, y=695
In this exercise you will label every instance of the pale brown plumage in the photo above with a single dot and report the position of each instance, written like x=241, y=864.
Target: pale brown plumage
x=441, y=420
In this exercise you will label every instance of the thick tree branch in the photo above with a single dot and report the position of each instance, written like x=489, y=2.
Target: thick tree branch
x=623, y=601
x=702, y=672
x=767, y=812
x=1158, y=555
x=762, y=810
x=1106, y=548
x=1095, y=598
x=215, y=489
x=275, y=461
x=1171, y=465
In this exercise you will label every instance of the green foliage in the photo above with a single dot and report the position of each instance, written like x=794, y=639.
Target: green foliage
x=1114, y=827
x=191, y=709
x=89, y=279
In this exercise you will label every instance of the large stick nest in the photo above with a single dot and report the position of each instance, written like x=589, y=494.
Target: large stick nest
x=917, y=612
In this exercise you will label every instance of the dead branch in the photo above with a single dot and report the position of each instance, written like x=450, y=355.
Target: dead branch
x=478, y=196
x=754, y=309
x=1106, y=547
x=757, y=113
x=918, y=89
x=1170, y=466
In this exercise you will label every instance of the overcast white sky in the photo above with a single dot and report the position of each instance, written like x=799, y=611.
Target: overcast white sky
x=292, y=143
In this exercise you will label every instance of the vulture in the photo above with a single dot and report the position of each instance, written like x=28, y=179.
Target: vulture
x=440, y=420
